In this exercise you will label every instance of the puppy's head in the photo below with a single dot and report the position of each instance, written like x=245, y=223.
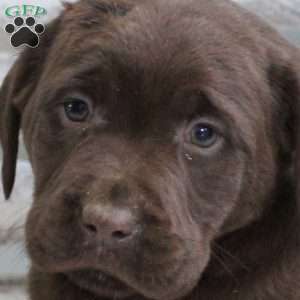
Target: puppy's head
x=152, y=130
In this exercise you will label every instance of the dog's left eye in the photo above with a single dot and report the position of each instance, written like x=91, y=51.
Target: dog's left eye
x=203, y=135
x=76, y=110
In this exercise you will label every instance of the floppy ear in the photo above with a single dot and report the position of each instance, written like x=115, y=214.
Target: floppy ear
x=284, y=76
x=15, y=93
x=10, y=119
x=293, y=91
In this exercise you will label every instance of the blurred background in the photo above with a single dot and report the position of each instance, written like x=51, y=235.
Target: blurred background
x=284, y=15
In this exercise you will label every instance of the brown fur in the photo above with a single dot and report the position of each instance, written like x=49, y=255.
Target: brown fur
x=219, y=223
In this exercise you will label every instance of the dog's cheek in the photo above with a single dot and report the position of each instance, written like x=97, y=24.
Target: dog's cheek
x=257, y=188
x=214, y=186
x=49, y=146
x=52, y=230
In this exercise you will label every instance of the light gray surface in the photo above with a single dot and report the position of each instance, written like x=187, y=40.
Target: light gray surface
x=13, y=293
x=12, y=258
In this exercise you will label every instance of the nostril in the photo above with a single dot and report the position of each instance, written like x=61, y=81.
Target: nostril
x=120, y=235
x=91, y=228
x=106, y=224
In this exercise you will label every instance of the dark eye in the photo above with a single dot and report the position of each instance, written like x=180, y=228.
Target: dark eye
x=76, y=110
x=203, y=135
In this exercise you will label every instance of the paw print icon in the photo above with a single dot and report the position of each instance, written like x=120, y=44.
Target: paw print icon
x=25, y=32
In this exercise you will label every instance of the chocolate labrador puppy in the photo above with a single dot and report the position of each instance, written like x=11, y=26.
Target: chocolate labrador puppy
x=163, y=137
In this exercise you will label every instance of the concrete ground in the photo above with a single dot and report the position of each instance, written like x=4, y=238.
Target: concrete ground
x=13, y=292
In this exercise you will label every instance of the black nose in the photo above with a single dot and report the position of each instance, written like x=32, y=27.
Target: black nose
x=107, y=224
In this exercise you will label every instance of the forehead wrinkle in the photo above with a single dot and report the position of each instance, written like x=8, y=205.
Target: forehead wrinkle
x=79, y=62
x=155, y=37
x=240, y=120
x=86, y=71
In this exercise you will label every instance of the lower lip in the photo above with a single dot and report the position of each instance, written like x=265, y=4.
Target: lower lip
x=100, y=283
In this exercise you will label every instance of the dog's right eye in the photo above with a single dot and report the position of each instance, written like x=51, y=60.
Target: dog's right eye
x=76, y=110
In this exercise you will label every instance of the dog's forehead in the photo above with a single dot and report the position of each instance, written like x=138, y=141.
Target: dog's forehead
x=152, y=54
x=149, y=33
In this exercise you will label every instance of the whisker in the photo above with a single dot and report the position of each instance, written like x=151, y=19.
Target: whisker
x=225, y=266
x=231, y=256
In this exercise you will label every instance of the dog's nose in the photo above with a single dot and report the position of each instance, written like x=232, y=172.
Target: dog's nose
x=107, y=224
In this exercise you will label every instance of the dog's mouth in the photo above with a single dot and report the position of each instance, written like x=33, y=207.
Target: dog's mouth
x=100, y=283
